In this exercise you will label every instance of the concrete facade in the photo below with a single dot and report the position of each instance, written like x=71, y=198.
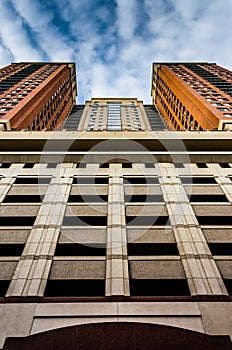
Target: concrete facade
x=115, y=232
x=93, y=232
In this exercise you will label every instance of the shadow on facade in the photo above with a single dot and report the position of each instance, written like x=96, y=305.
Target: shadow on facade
x=119, y=336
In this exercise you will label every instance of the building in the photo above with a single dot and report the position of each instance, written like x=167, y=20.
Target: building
x=193, y=96
x=115, y=233
x=115, y=114
x=36, y=96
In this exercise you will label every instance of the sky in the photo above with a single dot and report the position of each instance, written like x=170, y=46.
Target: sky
x=115, y=42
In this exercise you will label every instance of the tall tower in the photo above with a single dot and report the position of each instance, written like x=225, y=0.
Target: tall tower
x=36, y=96
x=193, y=96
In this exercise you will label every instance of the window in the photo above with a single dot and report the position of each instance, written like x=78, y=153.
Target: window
x=52, y=165
x=32, y=180
x=23, y=199
x=220, y=248
x=152, y=249
x=179, y=165
x=78, y=249
x=140, y=180
x=28, y=165
x=149, y=165
x=159, y=287
x=215, y=220
x=114, y=116
x=198, y=180
x=126, y=165
x=224, y=165
x=85, y=220
x=17, y=220
x=208, y=198
x=75, y=288
x=90, y=180
x=147, y=220
x=87, y=198
x=5, y=165
x=11, y=249
x=4, y=284
x=104, y=165
x=201, y=165
x=144, y=198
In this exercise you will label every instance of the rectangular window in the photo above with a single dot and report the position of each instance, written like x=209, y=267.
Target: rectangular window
x=77, y=249
x=90, y=180
x=114, y=116
x=198, y=180
x=152, y=249
x=147, y=220
x=74, y=288
x=85, y=221
x=159, y=287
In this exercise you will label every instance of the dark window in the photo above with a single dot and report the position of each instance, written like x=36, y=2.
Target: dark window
x=90, y=180
x=215, y=220
x=4, y=285
x=52, y=165
x=147, y=220
x=17, y=220
x=224, y=165
x=23, y=199
x=75, y=288
x=126, y=165
x=208, y=198
x=159, y=287
x=228, y=284
x=32, y=180
x=28, y=165
x=104, y=165
x=85, y=220
x=152, y=249
x=87, y=198
x=11, y=249
x=140, y=180
x=5, y=165
x=220, y=248
x=77, y=249
x=143, y=198
x=179, y=165
x=198, y=180
x=149, y=165
x=201, y=165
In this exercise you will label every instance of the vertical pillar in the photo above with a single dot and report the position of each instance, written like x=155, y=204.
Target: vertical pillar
x=200, y=268
x=33, y=268
x=117, y=276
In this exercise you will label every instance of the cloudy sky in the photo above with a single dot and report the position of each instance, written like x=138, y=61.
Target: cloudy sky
x=114, y=42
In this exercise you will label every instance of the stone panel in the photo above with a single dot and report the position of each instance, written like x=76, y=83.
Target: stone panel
x=166, y=269
x=77, y=270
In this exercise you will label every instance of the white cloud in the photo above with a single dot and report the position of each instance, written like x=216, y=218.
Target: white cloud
x=115, y=43
x=14, y=36
x=50, y=40
x=5, y=56
x=126, y=18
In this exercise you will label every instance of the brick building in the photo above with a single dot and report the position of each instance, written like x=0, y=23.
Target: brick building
x=193, y=96
x=36, y=96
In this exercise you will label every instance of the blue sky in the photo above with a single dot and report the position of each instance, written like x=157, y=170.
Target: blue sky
x=114, y=42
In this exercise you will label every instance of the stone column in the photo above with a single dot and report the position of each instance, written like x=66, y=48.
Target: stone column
x=33, y=268
x=117, y=276
x=200, y=268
